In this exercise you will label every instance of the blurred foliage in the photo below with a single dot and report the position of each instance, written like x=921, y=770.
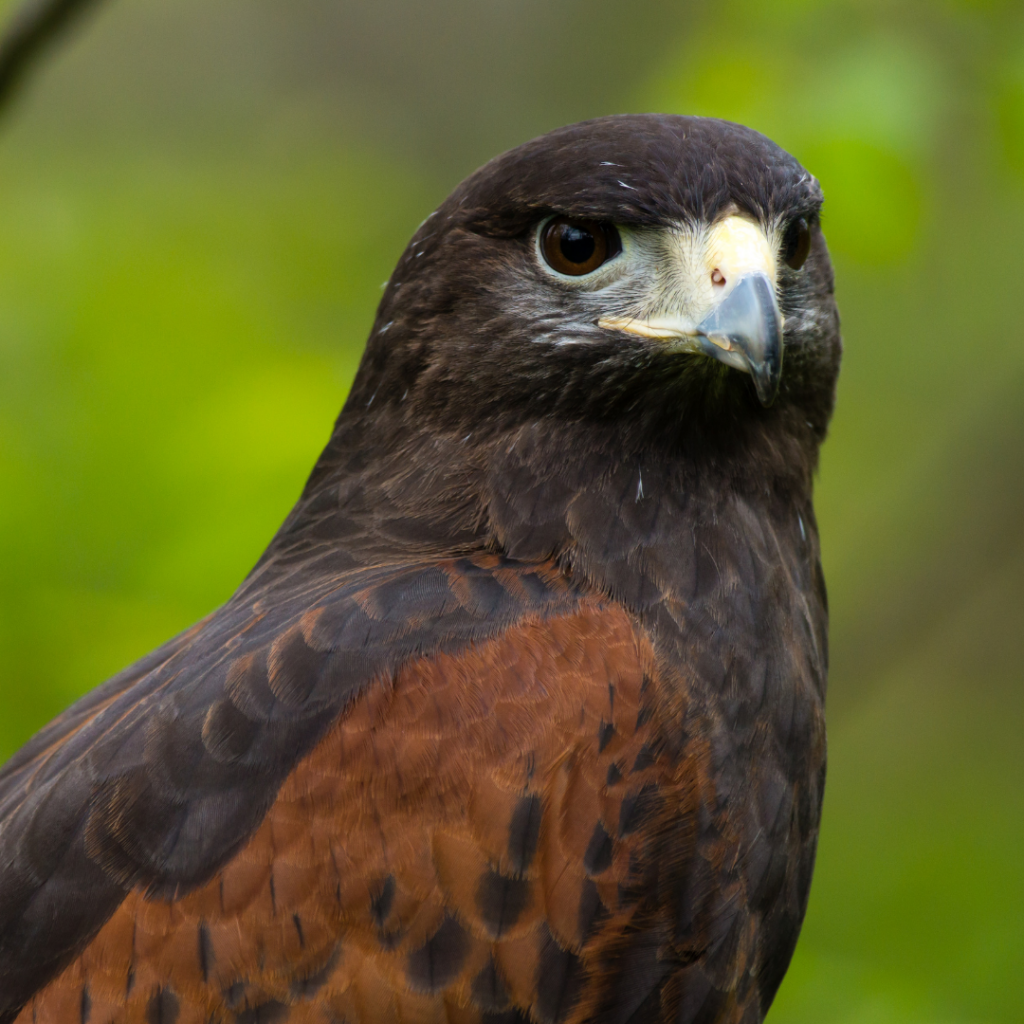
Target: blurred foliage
x=200, y=200
x=168, y=374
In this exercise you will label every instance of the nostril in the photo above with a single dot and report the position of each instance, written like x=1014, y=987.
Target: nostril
x=717, y=278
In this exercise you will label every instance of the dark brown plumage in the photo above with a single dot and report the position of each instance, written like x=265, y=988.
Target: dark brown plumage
x=520, y=716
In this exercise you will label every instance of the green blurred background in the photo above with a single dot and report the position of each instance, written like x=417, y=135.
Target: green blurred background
x=199, y=200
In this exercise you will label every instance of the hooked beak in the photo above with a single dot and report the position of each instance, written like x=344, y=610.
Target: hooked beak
x=743, y=331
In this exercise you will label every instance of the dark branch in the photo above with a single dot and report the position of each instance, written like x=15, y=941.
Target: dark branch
x=32, y=28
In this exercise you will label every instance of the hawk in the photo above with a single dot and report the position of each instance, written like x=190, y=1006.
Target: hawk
x=520, y=715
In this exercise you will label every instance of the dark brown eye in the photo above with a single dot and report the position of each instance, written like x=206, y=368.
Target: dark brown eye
x=796, y=243
x=577, y=247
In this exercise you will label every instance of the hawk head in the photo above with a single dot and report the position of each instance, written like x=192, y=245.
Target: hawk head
x=637, y=291
x=638, y=268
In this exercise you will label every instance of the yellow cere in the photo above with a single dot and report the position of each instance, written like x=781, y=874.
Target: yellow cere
x=737, y=246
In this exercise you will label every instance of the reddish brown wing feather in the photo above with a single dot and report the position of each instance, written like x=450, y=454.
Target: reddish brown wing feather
x=159, y=779
x=457, y=847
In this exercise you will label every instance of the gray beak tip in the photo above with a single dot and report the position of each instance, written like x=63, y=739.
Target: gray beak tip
x=750, y=320
x=766, y=383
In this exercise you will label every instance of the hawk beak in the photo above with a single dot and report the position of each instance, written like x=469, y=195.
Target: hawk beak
x=743, y=331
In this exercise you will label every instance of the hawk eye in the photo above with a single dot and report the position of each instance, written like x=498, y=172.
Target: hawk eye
x=577, y=247
x=796, y=243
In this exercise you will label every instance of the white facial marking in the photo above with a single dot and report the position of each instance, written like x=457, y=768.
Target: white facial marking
x=688, y=271
x=703, y=263
x=665, y=281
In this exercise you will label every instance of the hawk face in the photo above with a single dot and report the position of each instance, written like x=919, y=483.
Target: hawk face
x=707, y=289
x=665, y=264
